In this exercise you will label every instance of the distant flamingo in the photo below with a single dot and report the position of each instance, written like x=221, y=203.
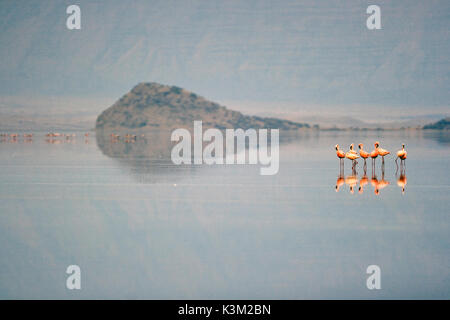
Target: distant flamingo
x=114, y=137
x=382, y=152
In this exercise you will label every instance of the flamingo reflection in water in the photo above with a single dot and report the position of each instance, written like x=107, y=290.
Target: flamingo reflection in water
x=380, y=184
x=339, y=182
x=351, y=181
x=374, y=182
x=362, y=182
x=401, y=182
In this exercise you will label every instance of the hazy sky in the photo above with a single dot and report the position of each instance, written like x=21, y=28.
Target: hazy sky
x=303, y=52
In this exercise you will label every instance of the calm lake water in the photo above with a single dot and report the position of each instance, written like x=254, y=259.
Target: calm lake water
x=140, y=227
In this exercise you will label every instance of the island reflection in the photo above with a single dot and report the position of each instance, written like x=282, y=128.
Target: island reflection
x=146, y=155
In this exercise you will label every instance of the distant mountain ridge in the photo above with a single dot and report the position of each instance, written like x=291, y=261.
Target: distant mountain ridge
x=156, y=106
x=306, y=52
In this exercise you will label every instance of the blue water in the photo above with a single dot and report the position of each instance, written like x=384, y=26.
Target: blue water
x=140, y=227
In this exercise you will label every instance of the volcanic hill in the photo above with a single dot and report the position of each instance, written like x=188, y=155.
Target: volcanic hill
x=157, y=106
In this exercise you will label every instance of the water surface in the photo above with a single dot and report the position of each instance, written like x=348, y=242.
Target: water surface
x=141, y=227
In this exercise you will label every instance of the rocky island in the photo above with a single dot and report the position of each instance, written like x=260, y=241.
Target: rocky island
x=156, y=106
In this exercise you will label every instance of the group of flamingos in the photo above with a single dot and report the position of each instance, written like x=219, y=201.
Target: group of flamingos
x=353, y=155
x=378, y=184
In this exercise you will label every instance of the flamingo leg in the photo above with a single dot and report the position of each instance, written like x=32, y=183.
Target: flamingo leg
x=396, y=164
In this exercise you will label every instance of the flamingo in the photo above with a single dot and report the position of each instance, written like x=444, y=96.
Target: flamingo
x=352, y=150
x=374, y=155
x=363, y=154
x=401, y=154
x=352, y=155
x=382, y=152
x=340, y=154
